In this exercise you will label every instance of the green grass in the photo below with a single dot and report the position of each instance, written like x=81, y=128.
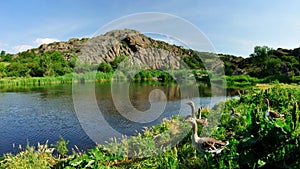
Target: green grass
x=255, y=141
x=148, y=75
x=35, y=81
x=242, y=81
x=66, y=79
x=232, y=82
x=245, y=81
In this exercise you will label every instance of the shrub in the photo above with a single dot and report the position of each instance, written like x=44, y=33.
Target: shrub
x=30, y=158
x=105, y=67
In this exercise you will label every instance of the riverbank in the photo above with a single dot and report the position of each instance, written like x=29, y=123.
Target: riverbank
x=246, y=82
x=96, y=76
x=232, y=82
x=66, y=79
x=254, y=140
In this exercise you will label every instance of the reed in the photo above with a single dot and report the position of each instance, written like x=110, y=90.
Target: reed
x=66, y=79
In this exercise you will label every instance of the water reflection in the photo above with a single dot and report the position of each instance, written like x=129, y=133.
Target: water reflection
x=44, y=113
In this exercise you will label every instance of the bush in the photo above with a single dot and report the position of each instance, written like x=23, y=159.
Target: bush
x=30, y=158
x=105, y=67
x=61, y=146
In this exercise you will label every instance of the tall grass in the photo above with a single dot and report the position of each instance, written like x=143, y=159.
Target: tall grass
x=242, y=81
x=35, y=81
x=66, y=79
x=30, y=158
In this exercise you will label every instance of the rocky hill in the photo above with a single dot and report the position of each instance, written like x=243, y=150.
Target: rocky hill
x=116, y=43
x=131, y=43
x=140, y=48
x=160, y=55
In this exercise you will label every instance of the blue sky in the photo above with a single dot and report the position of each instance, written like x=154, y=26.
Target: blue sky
x=232, y=26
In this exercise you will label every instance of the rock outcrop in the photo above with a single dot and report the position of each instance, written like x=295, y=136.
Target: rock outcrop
x=69, y=48
x=140, y=49
x=131, y=43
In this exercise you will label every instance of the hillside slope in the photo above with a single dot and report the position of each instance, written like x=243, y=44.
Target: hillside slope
x=58, y=58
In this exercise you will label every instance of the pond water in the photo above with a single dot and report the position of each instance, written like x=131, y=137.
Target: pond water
x=38, y=114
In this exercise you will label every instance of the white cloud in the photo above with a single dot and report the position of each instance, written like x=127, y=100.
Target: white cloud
x=35, y=43
x=21, y=48
x=3, y=44
x=40, y=41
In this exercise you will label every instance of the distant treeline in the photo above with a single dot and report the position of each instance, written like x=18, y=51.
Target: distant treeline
x=264, y=62
x=281, y=64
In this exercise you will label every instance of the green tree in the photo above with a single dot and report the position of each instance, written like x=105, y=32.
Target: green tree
x=54, y=64
x=273, y=67
x=105, y=67
x=3, y=71
x=17, y=69
x=260, y=57
x=2, y=53
x=27, y=55
x=261, y=54
x=6, y=57
x=117, y=61
x=35, y=70
x=228, y=68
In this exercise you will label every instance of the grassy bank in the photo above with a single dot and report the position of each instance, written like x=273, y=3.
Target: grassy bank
x=148, y=75
x=254, y=141
x=66, y=79
x=245, y=81
x=174, y=76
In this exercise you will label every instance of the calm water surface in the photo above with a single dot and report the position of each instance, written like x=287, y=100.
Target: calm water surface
x=39, y=114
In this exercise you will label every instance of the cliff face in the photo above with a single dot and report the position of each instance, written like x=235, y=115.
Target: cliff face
x=140, y=48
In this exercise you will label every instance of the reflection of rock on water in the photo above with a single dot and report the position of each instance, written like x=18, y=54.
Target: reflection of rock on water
x=157, y=95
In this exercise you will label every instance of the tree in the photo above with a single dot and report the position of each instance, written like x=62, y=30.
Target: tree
x=6, y=58
x=27, y=55
x=261, y=58
x=273, y=67
x=2, y=53
x=228, y=68
x=261, y=54
x=17, y=69
x=35, y=70
x=3, y=70
x=54, y=64
x=105, y=67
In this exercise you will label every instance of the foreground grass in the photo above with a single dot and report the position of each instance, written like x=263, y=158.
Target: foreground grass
x=255, y=141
